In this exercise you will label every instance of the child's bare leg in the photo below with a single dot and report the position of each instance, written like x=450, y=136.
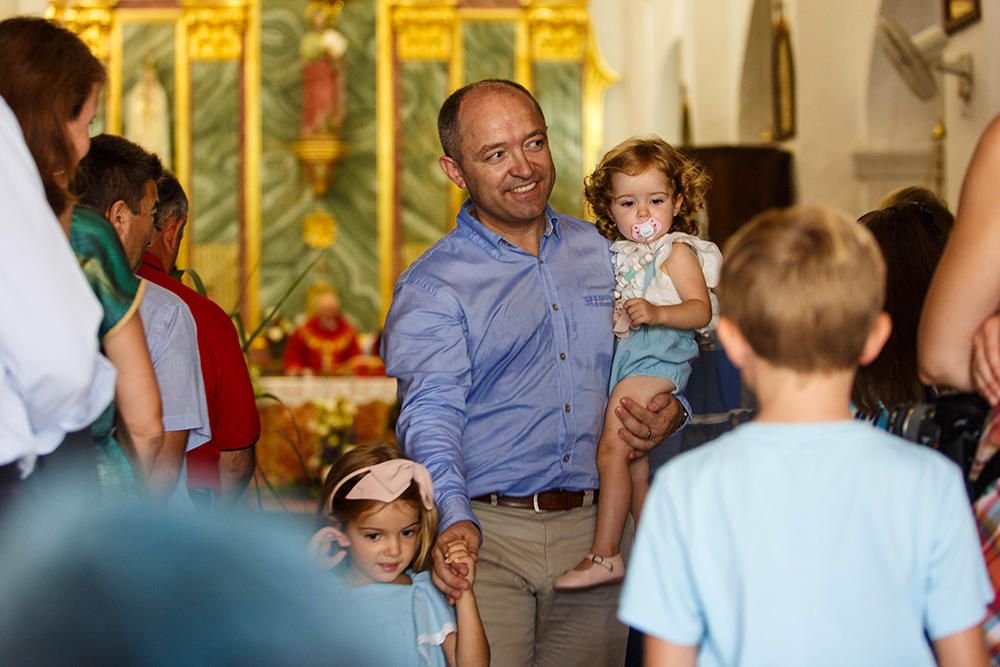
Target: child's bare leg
x=619, y=478
x=639, y=471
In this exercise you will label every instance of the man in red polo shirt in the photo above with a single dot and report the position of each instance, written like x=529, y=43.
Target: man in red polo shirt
x=219, y=470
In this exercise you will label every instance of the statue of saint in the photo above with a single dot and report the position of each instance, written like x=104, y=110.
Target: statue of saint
x=325, y=343
x=146, y=117
x=324, y=93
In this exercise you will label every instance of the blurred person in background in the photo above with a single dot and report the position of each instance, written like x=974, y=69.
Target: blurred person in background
x=911, y=237
x=219, y=470
x=118, y=178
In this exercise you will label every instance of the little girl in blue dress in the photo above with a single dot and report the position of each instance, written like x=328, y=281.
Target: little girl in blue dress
x=381, y=525
x=645, y=194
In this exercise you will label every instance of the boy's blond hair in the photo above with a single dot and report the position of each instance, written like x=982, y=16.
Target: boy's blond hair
x=804, y=285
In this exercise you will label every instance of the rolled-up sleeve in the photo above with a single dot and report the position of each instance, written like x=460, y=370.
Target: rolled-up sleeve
x=425, y=348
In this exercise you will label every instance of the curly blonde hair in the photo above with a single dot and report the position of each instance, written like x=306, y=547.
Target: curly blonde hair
x=344, y=510
x=633, y=157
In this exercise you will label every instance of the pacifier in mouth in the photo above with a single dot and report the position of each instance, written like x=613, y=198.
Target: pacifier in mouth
x=644, y=231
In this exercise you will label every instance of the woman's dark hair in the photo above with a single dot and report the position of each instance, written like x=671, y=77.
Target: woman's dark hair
x=912, y=241
x=48, y=74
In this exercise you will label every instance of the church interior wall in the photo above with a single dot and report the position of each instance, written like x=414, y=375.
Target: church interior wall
x=859, y=129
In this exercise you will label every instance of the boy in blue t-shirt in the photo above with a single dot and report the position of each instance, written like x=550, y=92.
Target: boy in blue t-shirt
x=805, y=537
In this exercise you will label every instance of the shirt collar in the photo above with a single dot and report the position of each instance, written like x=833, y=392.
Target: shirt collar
x=489, y=240
x=153, y=262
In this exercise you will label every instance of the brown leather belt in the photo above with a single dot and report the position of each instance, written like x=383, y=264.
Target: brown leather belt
x=554, y=500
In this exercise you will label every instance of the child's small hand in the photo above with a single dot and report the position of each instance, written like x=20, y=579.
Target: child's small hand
x=320, y=547
x=458, y=552
x=641, y=311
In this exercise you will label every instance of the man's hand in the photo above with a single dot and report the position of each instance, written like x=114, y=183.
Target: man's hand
x=985, y=369
x=450, y=577
x=646, y=427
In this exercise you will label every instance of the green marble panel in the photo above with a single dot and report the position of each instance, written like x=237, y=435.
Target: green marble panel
x=423, y=186
x=351, y=263
x=489, y=50
x=559, y=89
x=215, y=138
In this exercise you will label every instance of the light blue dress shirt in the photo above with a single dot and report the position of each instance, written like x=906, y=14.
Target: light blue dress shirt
x=829, y=543
x=53, y=379
x=172, y=339
x=503, y=360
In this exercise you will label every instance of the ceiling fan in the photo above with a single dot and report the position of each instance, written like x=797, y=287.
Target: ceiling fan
x=916, y=58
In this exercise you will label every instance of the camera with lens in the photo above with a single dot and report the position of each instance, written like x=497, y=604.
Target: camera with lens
x=951, y=424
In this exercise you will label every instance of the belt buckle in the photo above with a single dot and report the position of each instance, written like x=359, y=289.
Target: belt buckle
x=534, y=504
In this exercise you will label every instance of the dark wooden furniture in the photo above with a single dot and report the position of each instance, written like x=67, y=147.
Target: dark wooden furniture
x=746, y=180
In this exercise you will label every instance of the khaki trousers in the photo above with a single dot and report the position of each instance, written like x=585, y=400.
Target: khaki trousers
x=528, y=624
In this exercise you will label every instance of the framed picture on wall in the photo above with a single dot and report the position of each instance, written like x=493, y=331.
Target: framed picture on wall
x=960, y=13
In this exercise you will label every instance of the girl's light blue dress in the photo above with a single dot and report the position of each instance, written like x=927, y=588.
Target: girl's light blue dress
x=407, y=624
x=654, y=350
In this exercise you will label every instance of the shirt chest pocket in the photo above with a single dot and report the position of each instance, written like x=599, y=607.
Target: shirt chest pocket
x=598, y=300
x=595, y=314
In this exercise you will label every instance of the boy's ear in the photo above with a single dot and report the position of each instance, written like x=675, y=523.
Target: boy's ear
x=876, y=338
x=736, y=346
x=678, y=202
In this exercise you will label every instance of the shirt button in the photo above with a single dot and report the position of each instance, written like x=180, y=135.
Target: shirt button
x=565, y=458
x=555, y=306
x=567, y=407
x=562, y=356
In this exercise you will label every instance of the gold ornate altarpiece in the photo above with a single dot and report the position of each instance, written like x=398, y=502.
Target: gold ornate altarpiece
x=204, y=31
x=431, y=30
x=407, y=31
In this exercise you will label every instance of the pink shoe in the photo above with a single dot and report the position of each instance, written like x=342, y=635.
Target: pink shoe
x=601, y=571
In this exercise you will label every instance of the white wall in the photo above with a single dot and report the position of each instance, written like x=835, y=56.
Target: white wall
x=641, y=40
x=965, y=121
x=16, y=7
x=841, y=110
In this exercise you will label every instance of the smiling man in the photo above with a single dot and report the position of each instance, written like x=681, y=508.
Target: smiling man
x=500, y=338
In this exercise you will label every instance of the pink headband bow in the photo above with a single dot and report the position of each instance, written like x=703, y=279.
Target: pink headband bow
x=387, y=481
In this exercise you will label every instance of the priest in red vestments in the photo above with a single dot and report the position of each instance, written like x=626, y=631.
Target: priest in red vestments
x=324, y=344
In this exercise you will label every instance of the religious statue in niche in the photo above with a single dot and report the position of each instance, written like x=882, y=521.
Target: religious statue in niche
x=146, y=115
x=325, y=343
x=324, y=102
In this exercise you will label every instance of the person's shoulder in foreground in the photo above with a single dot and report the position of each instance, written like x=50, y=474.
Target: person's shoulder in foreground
x=806, y=537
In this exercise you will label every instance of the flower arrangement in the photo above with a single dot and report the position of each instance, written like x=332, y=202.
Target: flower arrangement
x=331, y=424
